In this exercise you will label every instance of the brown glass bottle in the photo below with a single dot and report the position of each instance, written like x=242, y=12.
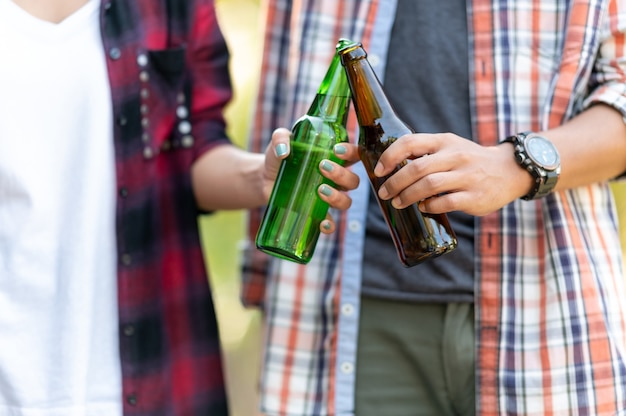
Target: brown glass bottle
x=417, y=236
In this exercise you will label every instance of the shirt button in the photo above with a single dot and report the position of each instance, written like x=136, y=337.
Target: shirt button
x=129, y=330
x=131, y=399
x=126, y=259
x=181, y=111
x=142, y=60
x=187, y=141
x=347, y=309
x=122, y=121
x=184, y=127
x=115, y=53
x=347, y=368
x=123, y=192
x=354, y=226
x=148, y=153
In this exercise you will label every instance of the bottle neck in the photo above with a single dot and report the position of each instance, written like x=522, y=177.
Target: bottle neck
x=332, y=100
x=369, y=98
x=330, y=108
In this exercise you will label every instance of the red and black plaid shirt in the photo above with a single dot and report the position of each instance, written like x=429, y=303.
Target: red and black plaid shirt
x=168, y=69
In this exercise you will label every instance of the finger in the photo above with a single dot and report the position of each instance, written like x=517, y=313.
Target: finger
x=280, y=142
x=334, y=198
x=328, y=225
x=348, y=152
x=439, y=204
x=341, y=176
x=419, y=176
x=427, y=187
x=475, y=203
x=407, y=147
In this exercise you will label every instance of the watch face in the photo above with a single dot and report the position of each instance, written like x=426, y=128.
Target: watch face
x=542, y=152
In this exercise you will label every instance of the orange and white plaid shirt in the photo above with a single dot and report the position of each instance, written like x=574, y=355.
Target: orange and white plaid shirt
x=549, y=284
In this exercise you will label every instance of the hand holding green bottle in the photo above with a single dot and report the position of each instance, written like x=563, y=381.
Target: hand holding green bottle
x=298, y=203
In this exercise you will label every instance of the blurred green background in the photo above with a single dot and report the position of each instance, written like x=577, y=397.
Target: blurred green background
x=223, y=232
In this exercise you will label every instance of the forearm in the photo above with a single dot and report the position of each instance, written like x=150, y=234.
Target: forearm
x=228, y=178
x=592, y=147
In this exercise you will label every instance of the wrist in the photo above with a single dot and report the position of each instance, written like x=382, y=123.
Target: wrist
x=519, y=182
x=539, y=158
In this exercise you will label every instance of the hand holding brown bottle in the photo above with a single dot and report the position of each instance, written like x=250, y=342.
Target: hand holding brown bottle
x=450, y=173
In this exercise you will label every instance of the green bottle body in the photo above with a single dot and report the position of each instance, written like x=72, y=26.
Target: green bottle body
x=417, y=236
x=290, y=227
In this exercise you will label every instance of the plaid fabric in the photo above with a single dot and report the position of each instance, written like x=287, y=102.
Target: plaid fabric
x=170, y=82
x=550, y=318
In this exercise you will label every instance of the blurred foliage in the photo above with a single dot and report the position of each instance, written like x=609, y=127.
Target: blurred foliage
x=619, y=189
x=222, y=232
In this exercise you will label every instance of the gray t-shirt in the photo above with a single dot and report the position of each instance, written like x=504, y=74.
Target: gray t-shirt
x=429, y=90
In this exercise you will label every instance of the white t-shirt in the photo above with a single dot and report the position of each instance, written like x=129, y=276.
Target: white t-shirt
x=59, y=353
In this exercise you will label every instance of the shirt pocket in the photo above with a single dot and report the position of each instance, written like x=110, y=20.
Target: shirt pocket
x=164, y=100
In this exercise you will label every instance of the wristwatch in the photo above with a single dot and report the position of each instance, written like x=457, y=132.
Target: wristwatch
x=540, y=158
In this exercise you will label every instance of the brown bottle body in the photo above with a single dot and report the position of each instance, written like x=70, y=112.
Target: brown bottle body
x=416, y=236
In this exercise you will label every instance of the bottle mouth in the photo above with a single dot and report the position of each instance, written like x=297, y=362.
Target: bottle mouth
x=347, y=49
x=344, y=43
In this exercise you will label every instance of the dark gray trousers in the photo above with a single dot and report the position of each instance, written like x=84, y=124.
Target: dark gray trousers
x=415, y=359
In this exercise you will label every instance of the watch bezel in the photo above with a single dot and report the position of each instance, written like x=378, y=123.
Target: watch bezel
x=529, y=150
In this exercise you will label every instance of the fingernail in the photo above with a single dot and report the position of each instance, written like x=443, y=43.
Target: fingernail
x=325, y=190
x=327, y=166
x=326, y=225
x=378, y=170
x=382, y=192
x=340, y=149
x=281, y=149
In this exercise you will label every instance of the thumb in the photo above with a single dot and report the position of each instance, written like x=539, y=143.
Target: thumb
x=280, y=142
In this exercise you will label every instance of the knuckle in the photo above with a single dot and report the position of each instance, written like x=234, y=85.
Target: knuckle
x=414, y=168
x=433, y=182
x=354, y=183
x=340, y=201
x=390, y=184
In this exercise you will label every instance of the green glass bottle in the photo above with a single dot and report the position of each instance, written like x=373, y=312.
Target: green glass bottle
x=417, y=236
x=291, y=224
